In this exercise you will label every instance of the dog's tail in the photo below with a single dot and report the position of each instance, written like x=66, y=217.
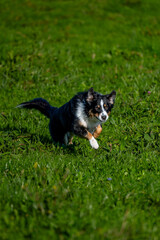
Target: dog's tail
x=40, y=104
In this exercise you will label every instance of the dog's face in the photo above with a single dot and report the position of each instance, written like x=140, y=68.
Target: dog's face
x=99, y=106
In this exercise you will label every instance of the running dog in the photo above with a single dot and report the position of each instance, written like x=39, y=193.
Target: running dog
x=83, y=116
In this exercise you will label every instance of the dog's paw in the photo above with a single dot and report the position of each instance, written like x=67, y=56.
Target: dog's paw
x=94, y=143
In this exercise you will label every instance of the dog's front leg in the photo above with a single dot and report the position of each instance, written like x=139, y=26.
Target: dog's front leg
x=97, y=131
x=83, y=132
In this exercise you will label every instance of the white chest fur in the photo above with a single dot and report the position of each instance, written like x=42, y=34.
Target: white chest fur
x=89, y=123
x=92, y=124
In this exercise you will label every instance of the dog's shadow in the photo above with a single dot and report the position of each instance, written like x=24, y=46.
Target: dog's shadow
x=15, y=133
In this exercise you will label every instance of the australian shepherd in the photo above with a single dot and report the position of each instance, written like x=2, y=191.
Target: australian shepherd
x=83, y=116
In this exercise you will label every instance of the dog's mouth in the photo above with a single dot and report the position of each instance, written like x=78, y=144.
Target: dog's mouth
x=100, y=119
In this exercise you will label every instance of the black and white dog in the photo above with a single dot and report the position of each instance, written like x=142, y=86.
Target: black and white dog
x=83, y=116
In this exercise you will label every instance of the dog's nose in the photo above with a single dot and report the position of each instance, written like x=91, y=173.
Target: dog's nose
x=104, y=117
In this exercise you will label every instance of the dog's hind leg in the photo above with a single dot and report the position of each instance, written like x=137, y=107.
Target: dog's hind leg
x=68, y=138
x=57, y=132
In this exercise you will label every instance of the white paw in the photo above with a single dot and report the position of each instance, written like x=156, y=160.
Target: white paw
x=94, y=143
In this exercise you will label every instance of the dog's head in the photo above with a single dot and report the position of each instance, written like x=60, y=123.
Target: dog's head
x=99, y=106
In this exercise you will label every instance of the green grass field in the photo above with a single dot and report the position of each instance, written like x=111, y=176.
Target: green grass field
x=54, y=49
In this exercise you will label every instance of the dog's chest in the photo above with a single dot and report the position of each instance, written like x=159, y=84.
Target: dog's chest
x=89, y=123
x=92, y=125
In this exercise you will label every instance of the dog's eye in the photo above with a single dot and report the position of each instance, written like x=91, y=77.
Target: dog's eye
x=105, y=106
x=98, y=107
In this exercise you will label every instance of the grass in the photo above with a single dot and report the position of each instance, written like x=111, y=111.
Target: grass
x=53, y=49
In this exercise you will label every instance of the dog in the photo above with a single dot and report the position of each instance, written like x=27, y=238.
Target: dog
x=83, y=116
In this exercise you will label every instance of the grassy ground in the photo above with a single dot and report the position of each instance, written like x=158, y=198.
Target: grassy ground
x=53, y=49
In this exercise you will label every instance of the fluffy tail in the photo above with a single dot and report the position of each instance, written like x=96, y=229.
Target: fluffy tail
x=38, y=103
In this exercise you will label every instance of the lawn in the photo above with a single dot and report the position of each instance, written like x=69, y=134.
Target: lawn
x=54, y=49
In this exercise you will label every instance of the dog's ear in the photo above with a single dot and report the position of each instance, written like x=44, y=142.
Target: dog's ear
x=90, y=95
x=111, y=97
